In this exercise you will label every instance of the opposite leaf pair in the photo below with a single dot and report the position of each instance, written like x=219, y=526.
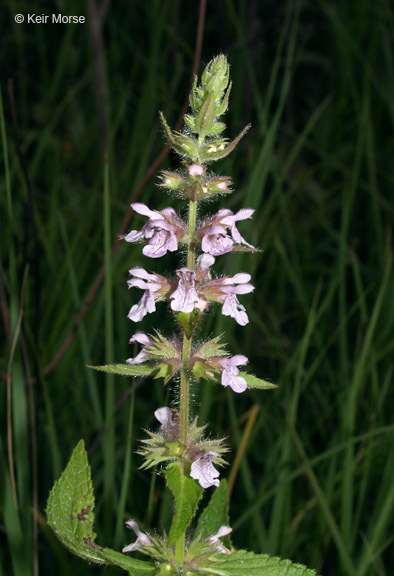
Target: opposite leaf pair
x=70, y=515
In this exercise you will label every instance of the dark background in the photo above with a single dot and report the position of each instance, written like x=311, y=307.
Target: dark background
x=316, y=80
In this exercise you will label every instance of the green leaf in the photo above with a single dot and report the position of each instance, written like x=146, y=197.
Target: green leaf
x=203, y=370
x=133, y=566
x=70, y=507
x=211, y=348
x=245, y=249
x=215, y=514
x=241, y=562
x=165, y=371
x=127, y=369
x=222, y=153
x=188, y=321
x=70, y=515
x=254, y=382
x=206, y=116
x=170, y=137
x=187, y=493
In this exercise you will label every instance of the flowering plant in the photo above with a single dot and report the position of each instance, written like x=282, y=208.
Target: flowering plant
x=189, y=461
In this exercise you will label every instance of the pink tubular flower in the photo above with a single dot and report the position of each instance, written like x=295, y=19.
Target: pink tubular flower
x=225, y=290
x=143, y=540
x=238, y=284
x=185, y=297
x=203, y=267
x=230, y=372
x=143, y=339
x=203, y=470
x=163, y=230
x=215, y=542
x=213, y=232
x=165, y=416
x=156, y=287
x=216, y=241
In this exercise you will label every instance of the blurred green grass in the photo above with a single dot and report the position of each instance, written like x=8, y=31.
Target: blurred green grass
x=316, y=80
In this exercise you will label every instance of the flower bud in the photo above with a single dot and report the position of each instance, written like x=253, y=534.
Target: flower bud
x=216, y=76
x=219, y=185
x=165, y=569
x=172, y=180
x=196, y=171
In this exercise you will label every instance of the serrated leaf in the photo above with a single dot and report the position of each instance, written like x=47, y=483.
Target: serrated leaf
x=70, y=515
x=215, y=514
x=187, y=493
x=70, y=507
x=241, y=562
x=126, y=369
x=254, y=382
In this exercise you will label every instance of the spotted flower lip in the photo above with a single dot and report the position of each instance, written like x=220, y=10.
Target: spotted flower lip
x=185, y=297
x=163, y=230
x=143, y=540
x=230, y=372
x=204, y=471
x=214, y=231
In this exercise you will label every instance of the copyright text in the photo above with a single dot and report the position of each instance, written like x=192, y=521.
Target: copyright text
x=49, y=19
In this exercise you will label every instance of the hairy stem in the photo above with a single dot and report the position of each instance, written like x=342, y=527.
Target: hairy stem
x=191, y=228
x=180, y=549
x=187, y=342
x=184, y=399
x=185, y=377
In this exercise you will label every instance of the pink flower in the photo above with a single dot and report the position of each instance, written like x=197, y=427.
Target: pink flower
x=168, y=427
x=156, y=287
x=225, y=290
x=143, y=339
x=213, y=232
x=216, y=241
x=238, y=284
x=215, y=542
x=203, y=470
x=163, y=230
x=203, y=265
x=230, y=372
x=185, y=296
x=143, y=540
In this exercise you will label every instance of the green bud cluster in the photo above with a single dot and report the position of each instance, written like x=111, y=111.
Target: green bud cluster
x=200, y=141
